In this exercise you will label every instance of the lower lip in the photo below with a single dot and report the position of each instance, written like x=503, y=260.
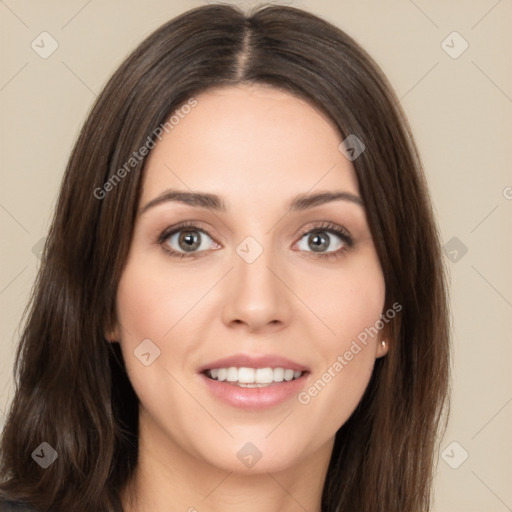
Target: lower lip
x=254, y=398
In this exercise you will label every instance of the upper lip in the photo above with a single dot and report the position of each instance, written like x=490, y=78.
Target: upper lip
x=254, y=361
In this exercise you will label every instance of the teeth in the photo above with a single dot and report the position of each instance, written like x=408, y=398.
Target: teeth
x=288, y=374
x=232, y=374
x=246, y=376
x=264, y=376
x=278, y=374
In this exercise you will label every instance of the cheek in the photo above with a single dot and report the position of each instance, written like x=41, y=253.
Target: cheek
x=151, y=305
x=162, y=304
x=148, y=307
x=350, y=300
x=351, y=304
x=152, y=299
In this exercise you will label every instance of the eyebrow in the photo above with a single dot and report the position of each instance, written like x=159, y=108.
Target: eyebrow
x=215, y=203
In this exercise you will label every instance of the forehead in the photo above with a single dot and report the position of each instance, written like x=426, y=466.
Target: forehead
x=249, y=143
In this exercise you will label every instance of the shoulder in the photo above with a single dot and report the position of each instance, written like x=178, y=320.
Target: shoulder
x=14, y=506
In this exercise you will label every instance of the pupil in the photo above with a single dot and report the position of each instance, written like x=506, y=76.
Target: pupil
x=191, y=240
x=319, y=242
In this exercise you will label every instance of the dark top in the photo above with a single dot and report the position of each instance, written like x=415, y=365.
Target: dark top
x=14, y=506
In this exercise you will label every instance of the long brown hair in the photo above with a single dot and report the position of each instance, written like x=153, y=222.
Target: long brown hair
x=72, y=390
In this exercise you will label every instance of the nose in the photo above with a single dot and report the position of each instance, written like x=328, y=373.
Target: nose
x=256, y=295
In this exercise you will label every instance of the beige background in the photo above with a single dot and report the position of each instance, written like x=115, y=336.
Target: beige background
x=460, y=110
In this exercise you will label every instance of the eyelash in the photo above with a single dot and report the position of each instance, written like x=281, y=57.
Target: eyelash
x=328, y=227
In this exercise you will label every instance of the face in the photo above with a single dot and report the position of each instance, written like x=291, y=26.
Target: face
x=249, y=274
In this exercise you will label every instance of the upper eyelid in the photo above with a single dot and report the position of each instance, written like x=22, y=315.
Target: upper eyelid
x=322, y=225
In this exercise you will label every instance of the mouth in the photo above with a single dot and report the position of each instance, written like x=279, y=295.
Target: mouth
x=247, y=377
x=254, y=382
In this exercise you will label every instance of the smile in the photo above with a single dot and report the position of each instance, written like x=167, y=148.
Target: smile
x=253, y=377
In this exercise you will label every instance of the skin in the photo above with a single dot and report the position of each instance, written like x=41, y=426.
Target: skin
x=256, y=147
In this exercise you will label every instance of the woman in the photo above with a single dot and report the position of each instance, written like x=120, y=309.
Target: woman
x=241, y=302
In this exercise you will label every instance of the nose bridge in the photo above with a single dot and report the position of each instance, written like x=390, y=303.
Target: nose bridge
x=257, y=297
x=252, y=264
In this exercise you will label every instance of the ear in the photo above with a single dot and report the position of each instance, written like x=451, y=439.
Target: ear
x=112, y=334
x=383, y=341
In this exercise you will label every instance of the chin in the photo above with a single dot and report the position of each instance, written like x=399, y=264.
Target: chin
x=258, y=456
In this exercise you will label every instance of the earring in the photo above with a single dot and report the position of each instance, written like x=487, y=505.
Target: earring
x=383, y=342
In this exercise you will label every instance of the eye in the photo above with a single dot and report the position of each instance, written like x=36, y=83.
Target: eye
x=185, y=240
x=327, y=240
